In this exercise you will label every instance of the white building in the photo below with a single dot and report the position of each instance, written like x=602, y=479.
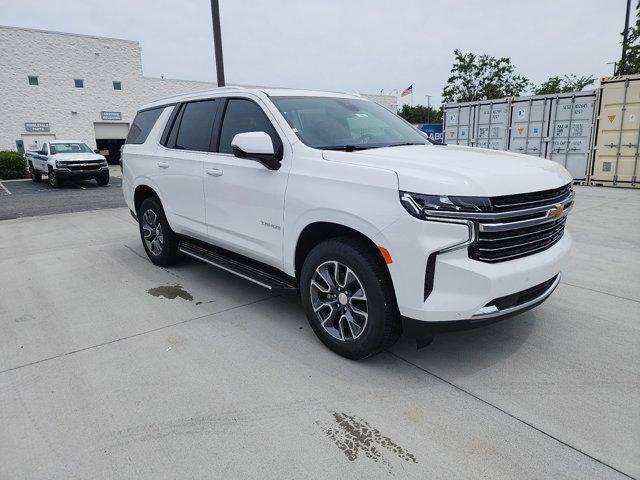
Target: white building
x=63, y=85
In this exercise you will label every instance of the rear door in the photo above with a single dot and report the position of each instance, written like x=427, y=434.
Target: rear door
x=180, y=163
x=244, y=200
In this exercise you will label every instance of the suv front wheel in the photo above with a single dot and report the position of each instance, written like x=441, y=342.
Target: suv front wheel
x=348, y=297
x=159, y=241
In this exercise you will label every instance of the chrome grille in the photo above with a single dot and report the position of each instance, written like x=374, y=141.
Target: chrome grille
x=521, y=225
x=84, y=165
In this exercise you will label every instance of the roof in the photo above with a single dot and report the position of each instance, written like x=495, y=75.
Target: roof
x=272, y=92
x=53, y=32
x=66, y=141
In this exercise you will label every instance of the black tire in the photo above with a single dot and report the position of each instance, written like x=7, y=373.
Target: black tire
x=35, y=176
x=168, y=254
x=54, y=181
x=383, y=326
x=103, y=180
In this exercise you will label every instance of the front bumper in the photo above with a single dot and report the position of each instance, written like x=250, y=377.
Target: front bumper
x=66, y=173
x=421, y=329
x=461, y=287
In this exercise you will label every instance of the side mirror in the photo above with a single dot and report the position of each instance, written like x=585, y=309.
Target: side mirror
x=256, y=146
x=96, y=151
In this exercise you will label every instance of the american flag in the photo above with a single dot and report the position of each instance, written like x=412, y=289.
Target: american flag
x=407, y=90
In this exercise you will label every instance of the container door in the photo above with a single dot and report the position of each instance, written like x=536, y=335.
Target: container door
x=458, y=121
x=571, y=127
x=616, y=150
x=529, y=126
x=491, y=125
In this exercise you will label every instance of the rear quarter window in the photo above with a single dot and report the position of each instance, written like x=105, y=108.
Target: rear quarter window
x=142, y=125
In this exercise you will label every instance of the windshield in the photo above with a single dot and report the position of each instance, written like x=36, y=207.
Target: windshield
x=345, y=123
x=71, y=147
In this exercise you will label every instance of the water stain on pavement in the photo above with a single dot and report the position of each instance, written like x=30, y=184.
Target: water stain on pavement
x=171, y=292
x=24, y=318
x=354, y=436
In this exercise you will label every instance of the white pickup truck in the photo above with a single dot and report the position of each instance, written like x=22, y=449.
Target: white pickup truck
x=67, y=159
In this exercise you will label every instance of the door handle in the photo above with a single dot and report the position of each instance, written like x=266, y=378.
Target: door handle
x=163, y=164
x=214, y=172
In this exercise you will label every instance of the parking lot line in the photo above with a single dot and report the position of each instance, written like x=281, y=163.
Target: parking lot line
x=5, y=189
x=17, y=180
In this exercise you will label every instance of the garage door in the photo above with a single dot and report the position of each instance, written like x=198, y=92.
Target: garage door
x=111, y=130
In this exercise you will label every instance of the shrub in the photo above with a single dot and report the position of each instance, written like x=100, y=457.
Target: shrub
x=12, y=165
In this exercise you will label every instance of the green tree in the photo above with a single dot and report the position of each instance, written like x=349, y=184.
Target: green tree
x=421, y=114
x=482, y=77
x=569, y=83
x=631, y=63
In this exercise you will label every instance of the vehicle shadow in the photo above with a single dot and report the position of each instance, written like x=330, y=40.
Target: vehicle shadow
x=73, y=184
x=281, y=324
x=461, y=354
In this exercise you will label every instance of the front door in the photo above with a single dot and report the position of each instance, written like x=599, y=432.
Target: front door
x=244, y=200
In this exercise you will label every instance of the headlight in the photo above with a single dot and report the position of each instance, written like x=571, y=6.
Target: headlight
x=424, y=206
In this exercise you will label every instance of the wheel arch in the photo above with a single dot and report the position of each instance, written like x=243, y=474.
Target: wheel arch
x=142, y=192
x=317, y=232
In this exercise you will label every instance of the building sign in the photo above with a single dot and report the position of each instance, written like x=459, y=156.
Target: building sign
x=111, y=115
x=36, y=127
x=433, y=131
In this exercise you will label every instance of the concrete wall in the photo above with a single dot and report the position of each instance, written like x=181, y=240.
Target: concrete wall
x=59, y=58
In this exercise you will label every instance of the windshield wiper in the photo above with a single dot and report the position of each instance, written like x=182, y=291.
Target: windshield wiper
x=346, y=148
x=403, y=144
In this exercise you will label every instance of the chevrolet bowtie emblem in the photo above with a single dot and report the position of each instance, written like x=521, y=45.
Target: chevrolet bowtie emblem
x=556, y=211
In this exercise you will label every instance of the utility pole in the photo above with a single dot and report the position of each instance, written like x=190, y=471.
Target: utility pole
x=217, y=41
x=625, y=36
x=428, y=108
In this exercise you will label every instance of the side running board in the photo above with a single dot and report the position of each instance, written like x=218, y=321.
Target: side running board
x=248, y=269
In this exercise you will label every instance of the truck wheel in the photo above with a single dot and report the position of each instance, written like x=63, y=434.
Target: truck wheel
x=103, y=180
x=348, y=297
x=160, y=242
x=35, y=176
x=54, y=181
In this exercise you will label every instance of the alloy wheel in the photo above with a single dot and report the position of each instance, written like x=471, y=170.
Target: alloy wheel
x=152, y=232
x=339, y=301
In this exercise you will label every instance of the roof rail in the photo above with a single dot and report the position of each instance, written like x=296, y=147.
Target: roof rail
x=193, y=92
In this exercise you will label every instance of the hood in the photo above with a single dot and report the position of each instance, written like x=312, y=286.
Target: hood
x=457, y=170
x=77, y=157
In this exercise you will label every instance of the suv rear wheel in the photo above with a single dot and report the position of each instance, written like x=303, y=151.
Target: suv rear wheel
x=348, y=297
x=159, y=241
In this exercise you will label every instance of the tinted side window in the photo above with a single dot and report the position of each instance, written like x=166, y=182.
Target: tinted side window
x=196, y=126
x=244, y=116
x=142, y=125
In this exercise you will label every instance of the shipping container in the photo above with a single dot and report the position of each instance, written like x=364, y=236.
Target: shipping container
x=459, y=123
x=558, y=127
x=571, y=127
x=530, y=125
x=617, y=139
x=491, y=125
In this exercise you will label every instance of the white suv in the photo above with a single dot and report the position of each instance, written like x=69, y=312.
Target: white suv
x=335, y=197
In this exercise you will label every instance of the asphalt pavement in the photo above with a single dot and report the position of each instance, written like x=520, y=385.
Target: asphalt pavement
x=111, y=367
x=24, y=198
